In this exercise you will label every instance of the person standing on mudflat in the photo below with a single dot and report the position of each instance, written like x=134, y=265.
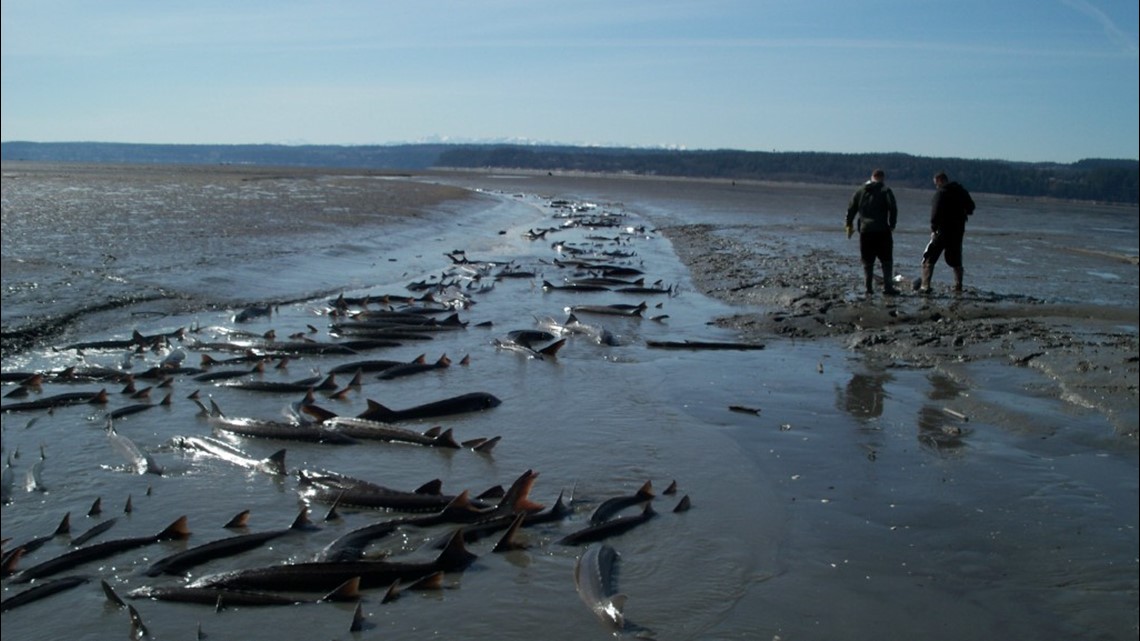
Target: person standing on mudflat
x=949, y=209
x=874, y=204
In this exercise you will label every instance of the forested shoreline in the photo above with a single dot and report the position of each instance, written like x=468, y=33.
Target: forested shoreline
x=1101, y=180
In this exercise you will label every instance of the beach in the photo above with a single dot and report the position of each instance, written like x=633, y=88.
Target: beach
x=942, y=467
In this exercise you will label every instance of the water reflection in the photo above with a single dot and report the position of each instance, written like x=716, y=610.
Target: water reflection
x=938, y=427
x=864, y=395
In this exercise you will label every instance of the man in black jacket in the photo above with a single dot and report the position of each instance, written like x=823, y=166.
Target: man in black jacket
x=949, y=209
x=875, y=205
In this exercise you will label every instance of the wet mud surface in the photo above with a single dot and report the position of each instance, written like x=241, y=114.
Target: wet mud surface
x=813, y=295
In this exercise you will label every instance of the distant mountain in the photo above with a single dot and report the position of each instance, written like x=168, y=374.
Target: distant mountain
x=1093, y=179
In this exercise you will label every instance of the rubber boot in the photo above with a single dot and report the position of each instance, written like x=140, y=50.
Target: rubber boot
x=868, y=278
x=889, y=280
x=927, y=276
x=958, y=279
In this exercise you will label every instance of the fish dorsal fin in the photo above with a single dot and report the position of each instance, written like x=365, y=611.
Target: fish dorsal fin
x=179, y=529
x=347, y=591
x=64, y=525
x=302, y=522
x=392, y=593
x=420, y=360
x=112, y=597
x=433, y=487
x=357, y=619
x=275, y=462
x=683, y=505
x=241, y=519
x=646, y=490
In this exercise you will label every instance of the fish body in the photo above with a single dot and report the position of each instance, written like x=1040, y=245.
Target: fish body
x=471, y=402
x=606, y=529
x=273, y=464
x=59, y=400
x=594, y=578
x=180, y=562
x=68, y=560
x=323, y=576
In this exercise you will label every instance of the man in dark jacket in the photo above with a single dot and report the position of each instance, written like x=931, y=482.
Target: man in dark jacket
x=874, y=204
x=949, y=209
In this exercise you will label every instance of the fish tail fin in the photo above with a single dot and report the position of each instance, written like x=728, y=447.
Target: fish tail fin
x=318, y=412
x=302, y=522
x=507, y=542
x=552, y=349
x=112, y=596
x=487, y=445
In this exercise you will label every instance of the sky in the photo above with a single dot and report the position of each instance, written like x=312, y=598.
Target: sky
x=1022, y=80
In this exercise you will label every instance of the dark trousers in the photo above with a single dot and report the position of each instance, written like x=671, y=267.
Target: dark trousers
x=940, y=242
x=878, y=245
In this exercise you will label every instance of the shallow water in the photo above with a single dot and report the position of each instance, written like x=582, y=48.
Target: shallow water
x=839, y=510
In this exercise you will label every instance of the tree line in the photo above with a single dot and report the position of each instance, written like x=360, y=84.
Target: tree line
x=1102, y=180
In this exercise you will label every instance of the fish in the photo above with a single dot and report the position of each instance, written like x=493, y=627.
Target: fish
x=140, y=462
x=609, y=528
x=273, y=464
x=415, y=367
x=179, y=562
x=618, y=309
x=550, y=351
x=284, y=387
x=13, y=555
x=59, y=400
x=470, y=402
x=34, y=480
x=257, y=428
x=365, y=429
x=252, y=312
x=221, y=597
x=594, y=574
x=322, y=576
x=689, y=344
x=93, y=532
x=328, y=487
x=176, y=530
x=574, y=287
x=460, y=511
x=41, y=591
x=612, y=506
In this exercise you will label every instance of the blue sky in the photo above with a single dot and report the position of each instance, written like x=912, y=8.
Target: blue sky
x=1030, y=80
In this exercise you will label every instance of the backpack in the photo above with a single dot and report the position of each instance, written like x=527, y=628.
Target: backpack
x=873, y=204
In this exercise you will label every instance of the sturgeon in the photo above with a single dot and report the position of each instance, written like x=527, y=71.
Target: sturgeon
x=606, y=529
x=273, y=464
x=257, y=428
x=41, y=591
x=470, y=402
x=59, y=400
x=180, y=562
x=221, y=597
x=460, y=511
x=323, y=576
x=594, y=579
x=365, y=429
x=176, y=530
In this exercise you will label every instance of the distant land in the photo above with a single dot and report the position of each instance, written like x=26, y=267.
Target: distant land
x=1100, y=180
